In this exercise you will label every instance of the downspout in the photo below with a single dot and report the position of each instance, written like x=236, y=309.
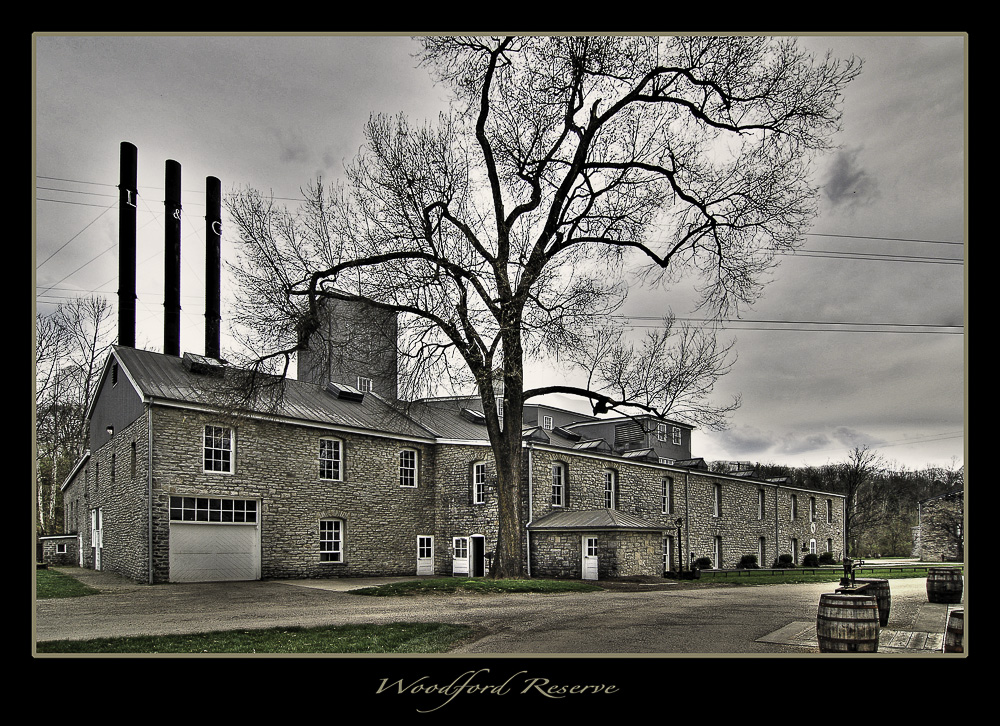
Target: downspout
x=149, y=493
x=531, y=510
x=777, y=533
x=687, y=520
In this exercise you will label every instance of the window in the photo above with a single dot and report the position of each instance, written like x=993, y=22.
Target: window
x=407, y=468
x=666, y=495
x=829, y=545
x=547, y=423
x=500, y=410
x=558, y=485
x=829, y=511
x=677, y=436
x=610, y=488
x=331, y=460
x=113, y=467
x=761, y=550
x=795, y=507
x=331, y=540
x=133, y=460
x=760, y=503
x=716, y=500
x=812, y=546
x=364, y=384
x=60, y=549
x=661, y=432
x=212, y=509
x=718, y=552
x=812, y=509
x=219, y=449
x=479, y=482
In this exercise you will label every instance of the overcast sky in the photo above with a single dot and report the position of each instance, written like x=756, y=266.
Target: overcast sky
x=273, y=113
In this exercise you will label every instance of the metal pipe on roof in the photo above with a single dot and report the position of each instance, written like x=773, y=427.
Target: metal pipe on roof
x=127, y=194
x=213, y=258
x=172, y=259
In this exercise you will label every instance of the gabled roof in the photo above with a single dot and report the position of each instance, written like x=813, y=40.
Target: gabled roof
x=594, y=519
x=166, y=379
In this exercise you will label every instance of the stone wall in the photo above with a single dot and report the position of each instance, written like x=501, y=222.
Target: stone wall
x=278, y=465
x=939, y=535
x=68, y=557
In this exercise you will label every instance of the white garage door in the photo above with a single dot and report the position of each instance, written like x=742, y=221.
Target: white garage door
x=210, y=550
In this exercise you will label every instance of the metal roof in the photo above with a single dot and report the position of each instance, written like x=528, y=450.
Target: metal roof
x=165, y=378
x=594, y=519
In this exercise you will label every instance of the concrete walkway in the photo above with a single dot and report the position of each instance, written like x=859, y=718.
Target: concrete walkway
x=925, y=636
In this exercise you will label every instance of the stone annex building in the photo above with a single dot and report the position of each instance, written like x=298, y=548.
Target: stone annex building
x=340, y=481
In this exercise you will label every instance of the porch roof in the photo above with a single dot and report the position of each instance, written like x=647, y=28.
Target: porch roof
x=594, y=519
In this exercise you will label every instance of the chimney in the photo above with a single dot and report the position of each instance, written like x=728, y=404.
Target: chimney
x=127, y=194
x=213, y=261
x=172, y=259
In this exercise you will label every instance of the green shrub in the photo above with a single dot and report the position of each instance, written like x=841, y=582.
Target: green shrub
x=827, y=559
x=784, y=561
x=810, y=560
x=703, y=563
x=748, y=562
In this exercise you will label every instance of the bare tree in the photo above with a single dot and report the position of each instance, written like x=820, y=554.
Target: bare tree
x=70, y=346
x=568, y=168
x=861, y=480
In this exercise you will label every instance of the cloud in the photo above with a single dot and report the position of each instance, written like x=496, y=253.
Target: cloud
x=847, y=184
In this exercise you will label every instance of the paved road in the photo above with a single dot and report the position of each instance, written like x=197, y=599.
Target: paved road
x=716, y=620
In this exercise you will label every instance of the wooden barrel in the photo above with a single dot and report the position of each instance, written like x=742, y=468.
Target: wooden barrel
x=954, y=635
x=847, y=623
x=879, y=588
x=944, y=584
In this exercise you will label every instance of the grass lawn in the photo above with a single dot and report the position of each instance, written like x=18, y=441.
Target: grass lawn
x=49, y=583
x=388, y=638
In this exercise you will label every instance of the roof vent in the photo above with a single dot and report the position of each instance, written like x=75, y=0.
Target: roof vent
x=345, y=392
x=566, y=434
x=201, y=364
x=469, y=414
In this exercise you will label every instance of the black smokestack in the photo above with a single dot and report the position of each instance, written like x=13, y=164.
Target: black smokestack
x=127, y=194
x=213, y=261
x=172, y=259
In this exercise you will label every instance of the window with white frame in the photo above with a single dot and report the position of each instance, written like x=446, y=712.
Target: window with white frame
x=364, y=384
x=795, y=507
x=677, y=436
x=218, y=449
x=331, y=540
x=760, y=503
x=461, y=548
x=479, y=482
x=547, y=423
x=408, y=468
x=331, y=459
x=212, y=509
x=829, y=511
x=717, y=500
x=667, y=495
x=558, y=484
x=661, y=432
x=610, y=488
x=812, y=509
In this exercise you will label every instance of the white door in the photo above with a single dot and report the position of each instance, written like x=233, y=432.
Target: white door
x=209, y=552
x=460, y=556
x=425, y=555
x=590, y=558
x=96, y=536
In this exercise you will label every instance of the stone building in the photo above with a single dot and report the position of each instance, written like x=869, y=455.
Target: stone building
x=939, y=535
x=327, y=480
